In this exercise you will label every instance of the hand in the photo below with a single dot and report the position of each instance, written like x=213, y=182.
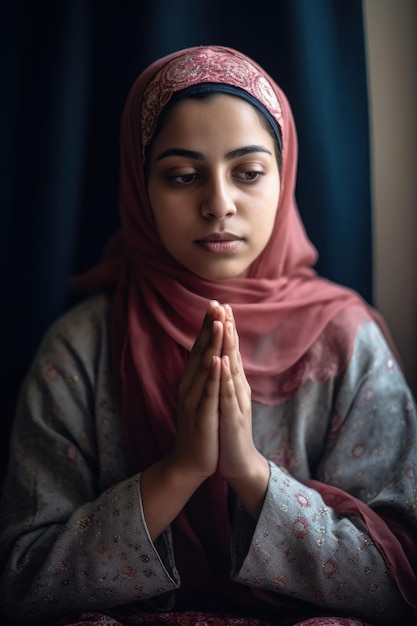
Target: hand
x=197, y=440
x=167, y=485
x=214, y=429
x=236, y=442
x=240, y=463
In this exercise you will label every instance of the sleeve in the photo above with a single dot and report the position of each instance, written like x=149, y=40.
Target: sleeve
x=345, y=539
x=66, y=543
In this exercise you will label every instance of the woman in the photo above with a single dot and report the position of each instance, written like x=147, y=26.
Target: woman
x=218, y=435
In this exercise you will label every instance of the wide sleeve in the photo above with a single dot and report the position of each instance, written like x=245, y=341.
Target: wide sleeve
x=343, y=538
x=72, y=532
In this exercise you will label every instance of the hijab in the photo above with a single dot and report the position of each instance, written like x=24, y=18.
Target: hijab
x=281, y=308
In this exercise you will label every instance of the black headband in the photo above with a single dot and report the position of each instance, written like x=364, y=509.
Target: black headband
x=203, y=88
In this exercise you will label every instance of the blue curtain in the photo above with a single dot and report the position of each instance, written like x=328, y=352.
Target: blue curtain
x=66, y=70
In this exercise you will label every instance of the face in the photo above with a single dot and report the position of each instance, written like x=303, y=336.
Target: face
x=214, y=185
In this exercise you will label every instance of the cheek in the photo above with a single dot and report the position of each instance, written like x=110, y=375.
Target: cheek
x=172, y=226
x=161, y=210
x=166, y=228
x=273, y=204
x=265, y=219
x=264, y=232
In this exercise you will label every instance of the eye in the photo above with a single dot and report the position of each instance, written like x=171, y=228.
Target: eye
x=250, y=176
x=182, y=179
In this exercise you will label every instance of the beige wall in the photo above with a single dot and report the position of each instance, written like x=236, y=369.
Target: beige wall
x=391, y=36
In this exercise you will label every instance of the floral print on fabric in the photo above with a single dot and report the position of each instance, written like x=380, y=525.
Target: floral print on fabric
x=187, y=618
x=195, y=618
x=204, y=66
x=73, y=536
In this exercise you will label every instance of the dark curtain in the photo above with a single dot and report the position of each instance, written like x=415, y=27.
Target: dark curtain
x=66, y=68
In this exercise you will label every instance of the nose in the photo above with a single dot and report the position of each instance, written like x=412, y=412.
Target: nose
x=218, y=202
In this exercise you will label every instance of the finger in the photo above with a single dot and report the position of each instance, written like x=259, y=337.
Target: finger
x=231, y=350
x=229, y=404
x=197, y=437
x=205, y=330
x=235, y=402
x=231, y=320
x=207, y=344
x=235, y=424
x=214, y=312
x=230, y=317
x=202, y=402
x=198, y=369
x=201, y=343
x=209, y=398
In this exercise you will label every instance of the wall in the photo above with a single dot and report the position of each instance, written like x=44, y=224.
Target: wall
x=391, y=34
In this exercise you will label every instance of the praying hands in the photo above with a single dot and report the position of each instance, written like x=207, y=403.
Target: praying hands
x=214, y=428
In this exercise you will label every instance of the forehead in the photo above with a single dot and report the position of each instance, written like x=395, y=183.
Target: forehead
x=218, y=118
x=201, y=66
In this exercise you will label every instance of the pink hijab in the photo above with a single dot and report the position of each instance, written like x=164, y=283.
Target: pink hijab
x=281, y=309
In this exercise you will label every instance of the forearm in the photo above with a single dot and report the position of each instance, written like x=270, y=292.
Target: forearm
x=251, y=488
x=165, y=489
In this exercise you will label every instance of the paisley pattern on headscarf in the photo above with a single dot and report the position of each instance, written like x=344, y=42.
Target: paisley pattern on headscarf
x=204, y=65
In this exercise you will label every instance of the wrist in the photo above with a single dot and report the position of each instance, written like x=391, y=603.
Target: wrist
x=251, y=486
x=181, y=475
x=165, y=490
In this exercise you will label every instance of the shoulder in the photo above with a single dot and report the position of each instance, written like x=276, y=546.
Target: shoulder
x=94, y=309
x=363, y=335
x=346, y=346
x=375, y=358
x=86, y=320
x=77, y=340
x=372, y=365
x=355, y=328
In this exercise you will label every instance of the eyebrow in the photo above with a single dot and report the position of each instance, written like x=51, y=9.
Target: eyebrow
x=192, y=154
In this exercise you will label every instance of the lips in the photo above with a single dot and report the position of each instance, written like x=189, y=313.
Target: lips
x=220, y=243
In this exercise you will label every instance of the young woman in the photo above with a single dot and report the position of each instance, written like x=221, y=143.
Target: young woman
x=218, y=435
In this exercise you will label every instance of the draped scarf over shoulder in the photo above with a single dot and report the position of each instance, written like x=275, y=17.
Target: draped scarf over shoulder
x=281, y=308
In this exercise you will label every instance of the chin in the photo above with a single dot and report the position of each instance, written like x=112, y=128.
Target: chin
x=217, y=276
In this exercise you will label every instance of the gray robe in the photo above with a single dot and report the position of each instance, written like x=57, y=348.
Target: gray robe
x=73, y=534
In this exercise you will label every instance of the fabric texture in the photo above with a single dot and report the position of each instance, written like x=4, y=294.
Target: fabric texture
x=73, y=536
x=186, y=618
x=192, y=618
x=320, y=372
